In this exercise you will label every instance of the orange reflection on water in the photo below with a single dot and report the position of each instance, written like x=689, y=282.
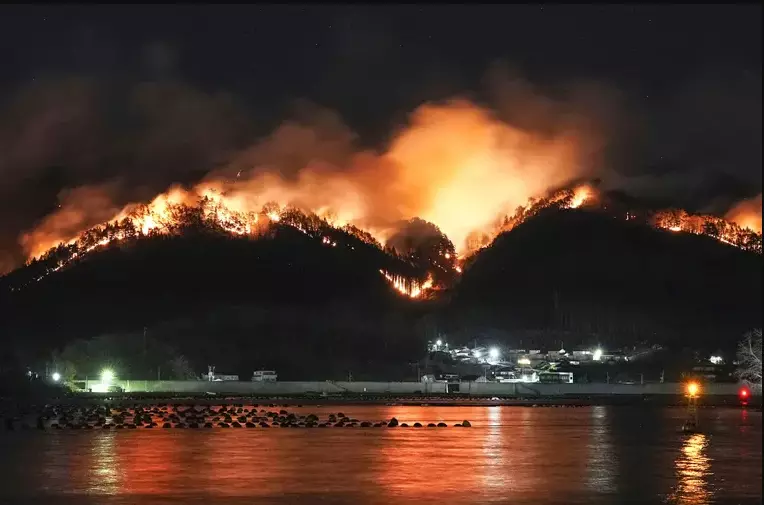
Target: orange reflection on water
x=494, y=455
x=509, y=455
x=693, y=471
x=106, y=465
x=143, y=462
x=228, y=454
x=502, y=457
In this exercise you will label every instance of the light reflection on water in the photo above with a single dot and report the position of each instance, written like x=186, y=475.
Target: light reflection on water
x=510, y=455
x=693, y=472
x=601, y=457
x=105, y=471
x=495, y=451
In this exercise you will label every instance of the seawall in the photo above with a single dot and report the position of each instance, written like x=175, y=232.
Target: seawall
x=408, y=388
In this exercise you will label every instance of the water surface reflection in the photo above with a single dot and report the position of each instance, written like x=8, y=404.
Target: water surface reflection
x=510, y=455
x=693, y=472
x=601, y=457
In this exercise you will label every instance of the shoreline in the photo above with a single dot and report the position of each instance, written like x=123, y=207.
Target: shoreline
x=645, y=401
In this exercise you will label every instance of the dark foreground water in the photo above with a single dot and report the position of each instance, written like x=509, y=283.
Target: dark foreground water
x=512, y=455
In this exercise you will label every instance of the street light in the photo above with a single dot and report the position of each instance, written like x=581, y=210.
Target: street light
x=691, y=424
x=494, y=353
x=597, y=355
x=56, y=376
x=439, y=342
x=106, y=376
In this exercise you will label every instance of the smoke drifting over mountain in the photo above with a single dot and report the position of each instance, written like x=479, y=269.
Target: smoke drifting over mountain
x=747, y=214
x=75, y=153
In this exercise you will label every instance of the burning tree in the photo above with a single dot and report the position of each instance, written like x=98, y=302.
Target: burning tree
x=427, y=247
x=749, y=358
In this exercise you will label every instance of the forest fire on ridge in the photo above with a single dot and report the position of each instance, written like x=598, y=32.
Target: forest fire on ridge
x=678, y=220
x=456, y=166
x=171, y=212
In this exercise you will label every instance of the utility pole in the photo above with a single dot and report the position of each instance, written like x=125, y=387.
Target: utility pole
x=145, y=361
x=691, y=424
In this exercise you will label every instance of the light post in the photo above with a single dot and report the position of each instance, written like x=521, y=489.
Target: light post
x=693, y=392
x=107, y=378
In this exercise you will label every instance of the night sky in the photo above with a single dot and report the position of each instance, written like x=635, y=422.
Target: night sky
x=682, y=82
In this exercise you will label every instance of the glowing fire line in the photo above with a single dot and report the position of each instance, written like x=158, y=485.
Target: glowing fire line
x=159, y=217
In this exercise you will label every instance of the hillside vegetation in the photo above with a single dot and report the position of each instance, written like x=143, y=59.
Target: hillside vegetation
x=316, y=306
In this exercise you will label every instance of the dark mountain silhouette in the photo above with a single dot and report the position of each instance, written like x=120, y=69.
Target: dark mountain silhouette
x=294, y=301
x=583, y=275
x=282, y=299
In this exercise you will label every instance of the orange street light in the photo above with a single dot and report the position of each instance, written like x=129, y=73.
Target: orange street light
x=693, y=389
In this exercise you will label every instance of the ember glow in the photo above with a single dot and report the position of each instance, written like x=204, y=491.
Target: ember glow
x=747, y=214
x=455, y=165
x=561, y=199
x=167, y=213
x=580, y=196
x=408, y=287
x=677, y=220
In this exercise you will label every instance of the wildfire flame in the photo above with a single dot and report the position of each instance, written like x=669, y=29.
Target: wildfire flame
x=747, y=214
x=408, y=287
x=161, y=216
x=580, y=195
x=455, y=165
x=716, y=227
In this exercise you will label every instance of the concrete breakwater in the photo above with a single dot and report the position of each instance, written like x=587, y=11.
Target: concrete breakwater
x=106, y=417
x=488, y=389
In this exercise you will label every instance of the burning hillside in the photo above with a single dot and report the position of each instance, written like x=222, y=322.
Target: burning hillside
x=447, y=185
x=677, y=220
x=178, y=211
x=456, y=165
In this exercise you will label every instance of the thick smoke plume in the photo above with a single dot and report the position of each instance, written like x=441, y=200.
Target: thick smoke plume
x=747, y=214
x=455, y=164
x=78, y=148
x=74, y=154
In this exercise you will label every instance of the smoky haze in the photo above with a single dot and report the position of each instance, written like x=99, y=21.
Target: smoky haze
x=74, y=151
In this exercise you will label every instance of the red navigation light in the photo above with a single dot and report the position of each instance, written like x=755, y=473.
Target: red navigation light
x=744, y=394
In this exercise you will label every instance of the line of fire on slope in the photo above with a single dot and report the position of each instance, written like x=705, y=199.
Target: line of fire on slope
x=161, y=217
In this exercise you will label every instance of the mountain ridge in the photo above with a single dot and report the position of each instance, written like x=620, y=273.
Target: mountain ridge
x=555, y=274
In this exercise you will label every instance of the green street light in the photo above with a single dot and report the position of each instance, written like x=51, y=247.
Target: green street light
x=106, y=376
